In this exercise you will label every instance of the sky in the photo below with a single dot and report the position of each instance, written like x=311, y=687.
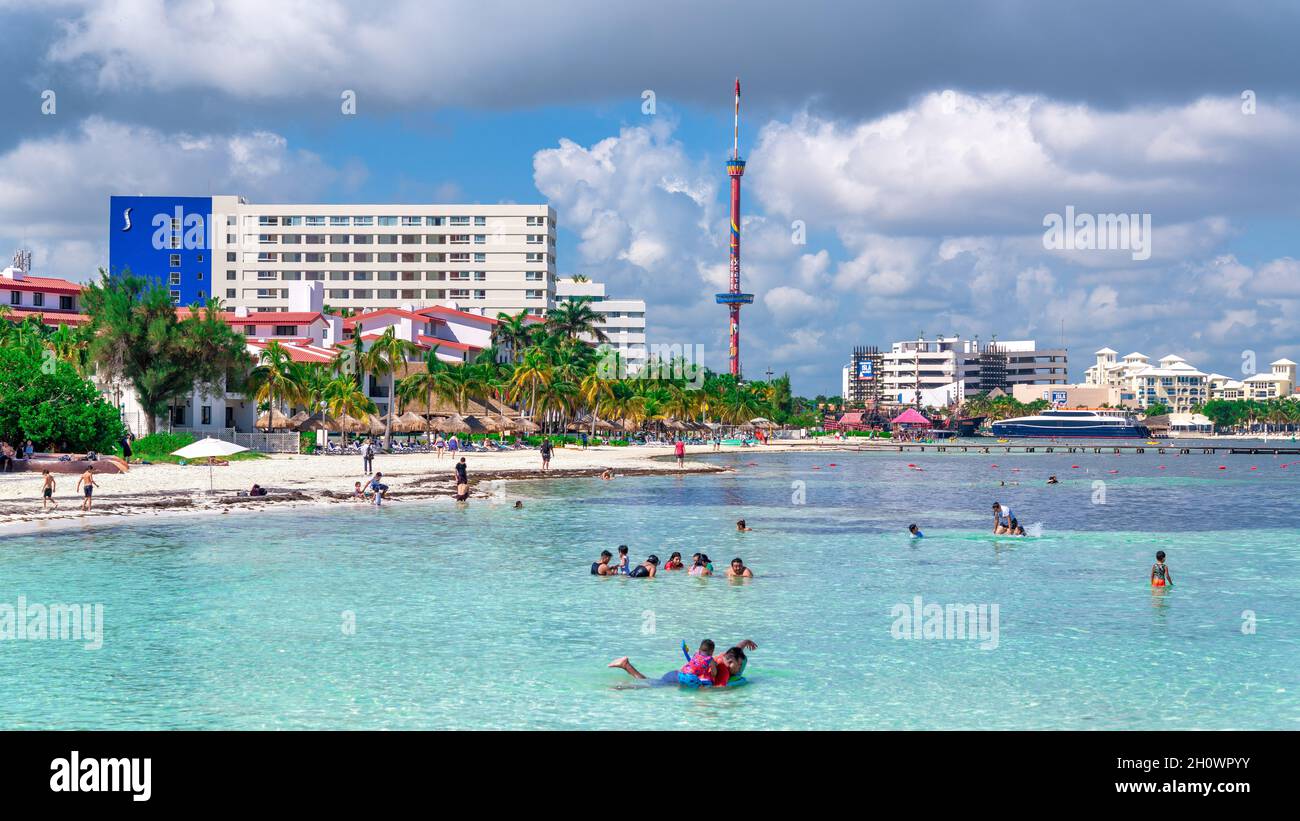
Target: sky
x=903, y=157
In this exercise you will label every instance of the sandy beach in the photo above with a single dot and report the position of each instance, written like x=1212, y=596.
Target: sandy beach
x=295, y=480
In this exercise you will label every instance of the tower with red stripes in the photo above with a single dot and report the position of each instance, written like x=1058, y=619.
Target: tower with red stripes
x=733, y=298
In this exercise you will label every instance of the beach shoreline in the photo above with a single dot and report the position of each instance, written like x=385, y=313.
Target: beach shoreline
x=298, y=481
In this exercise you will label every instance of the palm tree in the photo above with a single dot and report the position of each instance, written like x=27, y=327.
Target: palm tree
x=576, y=318
x=595, y=391
x=387, y=355
x=433, y=381
x=533, y=372
x=513, y=332
x=275, y=377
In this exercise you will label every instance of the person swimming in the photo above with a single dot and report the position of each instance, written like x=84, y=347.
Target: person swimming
x=700, y=566
x=701, y=669
x=674, y=562
x=741, y=527
x=1160, y=572
x=601, y=567
x=645, y=570
x=915, y=531
x=737, y=570
x=1052, y=480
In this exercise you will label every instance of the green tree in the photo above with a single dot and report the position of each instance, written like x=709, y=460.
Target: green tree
x=44, y=399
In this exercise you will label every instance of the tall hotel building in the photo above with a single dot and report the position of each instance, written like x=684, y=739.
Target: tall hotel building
x=477, y=258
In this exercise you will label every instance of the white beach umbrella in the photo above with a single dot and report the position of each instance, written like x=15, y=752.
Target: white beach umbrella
x=207, y=449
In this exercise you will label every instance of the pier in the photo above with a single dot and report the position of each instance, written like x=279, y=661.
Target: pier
x=1065, y=447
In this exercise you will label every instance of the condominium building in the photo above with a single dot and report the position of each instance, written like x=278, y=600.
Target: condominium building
x=56, y=301
x=623, y=320
x=953, y=366
x=1172, y=382
x=484, y=259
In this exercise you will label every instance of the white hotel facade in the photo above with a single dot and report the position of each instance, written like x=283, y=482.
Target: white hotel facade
x=478, y=258
x=623, y=319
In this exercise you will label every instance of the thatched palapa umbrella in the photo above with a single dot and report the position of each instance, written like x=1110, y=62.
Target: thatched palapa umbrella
x=273, y=419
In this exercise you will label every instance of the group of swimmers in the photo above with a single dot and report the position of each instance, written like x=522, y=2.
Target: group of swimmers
x=701, y=565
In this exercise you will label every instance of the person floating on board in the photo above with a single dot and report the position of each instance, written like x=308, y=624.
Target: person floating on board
x=702, y=669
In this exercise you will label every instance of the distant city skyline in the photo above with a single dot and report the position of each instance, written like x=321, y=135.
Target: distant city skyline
x=904, y=163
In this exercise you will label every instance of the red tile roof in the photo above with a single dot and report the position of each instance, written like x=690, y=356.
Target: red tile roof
x=261, y=317
x=51, y=318
x=430, y=341
x=297, y=352
x=443, y=309
x=49, y=285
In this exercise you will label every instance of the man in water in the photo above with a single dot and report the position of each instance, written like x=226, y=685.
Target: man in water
x=1004, y=520
x=1160, y=572
x=602, y=567
x=737, y=570
x=741, y=527
x=87, y=484
x=1052, y=480
x=716, y=670
x=645, y=570
x=462, y=480
x=915, y=531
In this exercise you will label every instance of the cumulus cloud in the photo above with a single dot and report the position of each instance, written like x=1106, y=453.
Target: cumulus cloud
x=54, y=197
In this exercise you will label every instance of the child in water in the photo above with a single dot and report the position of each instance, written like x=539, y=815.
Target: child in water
x=1160, y=572
x=624, y=563
x=915, y=531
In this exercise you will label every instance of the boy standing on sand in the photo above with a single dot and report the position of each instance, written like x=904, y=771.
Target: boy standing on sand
x=47, y=491
x=87, y=484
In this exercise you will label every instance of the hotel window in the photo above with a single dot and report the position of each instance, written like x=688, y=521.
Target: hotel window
x=269, y=239
x=361, y=276
x=316, y=222
x=479, y=276
x=480, y=220
x=176, y=296
x=534, y=239
x=175, y=278
x=267, y=293
x=386, y=239
x=533, y=295
x=480, y=239
x=435, y=239
x=435, y=221
x=480, y=294
x=385, y=293
x=292, y=276
x=534, y=276
x=458, y=239
x=338, y=293
x=231, y=274
x=459, y=221
x=338, y=276
x=536, y=221
x=312, y=276
x=230, y=256
x=435, y=276
x=410, y=222
x=532, y=257
x=388, y=220
x=431, y=294
x=314, y=239
x=358, y=221
x=15, y=298
x=176, y=240
x=340, y=221
x=386, y=257
x=266, y=275
x=363, y=257
x=199, y=276
x=410, y=276
x=338, y=239
x=480, y=257
x=386, y=276
x=269, y=256
x=435, y=257
x=459, y=293
x=205, y=413
x=268, y=221
x=291, y=220
x=410, y=258
x=458, y=257
x=38, y=299
x=286, y=330
x=410, y=239
x=178, y=414
x=408, y=294
x=338, y=257
x=175, y=260
x=230, y=293
x=66, y=303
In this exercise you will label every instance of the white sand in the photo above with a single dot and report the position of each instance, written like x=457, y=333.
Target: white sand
x=318, y=480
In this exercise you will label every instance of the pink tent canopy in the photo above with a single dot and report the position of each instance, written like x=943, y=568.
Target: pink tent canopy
x=909, y=417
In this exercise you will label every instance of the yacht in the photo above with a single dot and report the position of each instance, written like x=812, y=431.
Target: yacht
x=1072, y=424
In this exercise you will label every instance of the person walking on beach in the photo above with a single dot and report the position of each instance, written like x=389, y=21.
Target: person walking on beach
x=546, y=453
x=47, y=491
x=368, y=457
x=462, y=480
x=87, y=485
x=679, y=449
x=584, y=440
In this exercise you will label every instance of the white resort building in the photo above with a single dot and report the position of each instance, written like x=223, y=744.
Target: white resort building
x=623, y=319
x=1179, y=386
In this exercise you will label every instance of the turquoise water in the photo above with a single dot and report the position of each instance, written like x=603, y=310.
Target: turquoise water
x=486, y=617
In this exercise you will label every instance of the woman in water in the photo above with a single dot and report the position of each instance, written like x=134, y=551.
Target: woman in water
x=645, y=570
x=700, y=566
x=1160, y=572
x=674, y=562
